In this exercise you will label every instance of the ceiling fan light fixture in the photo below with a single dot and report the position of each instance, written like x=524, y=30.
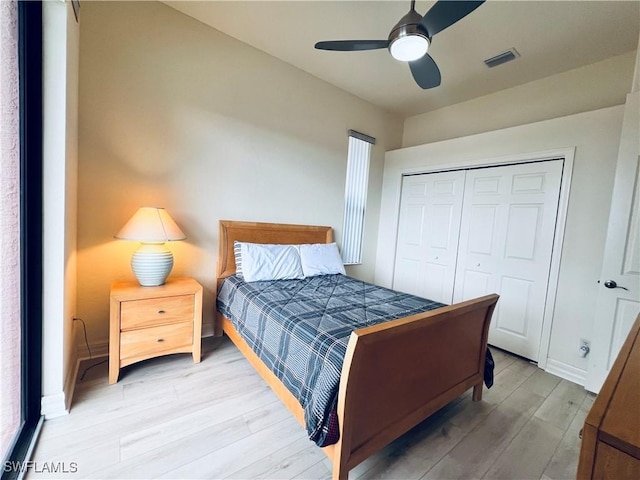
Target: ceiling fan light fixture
x=408, y=48
x=410, y=38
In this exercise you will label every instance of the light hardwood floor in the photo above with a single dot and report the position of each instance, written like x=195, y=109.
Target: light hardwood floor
x=169, y=418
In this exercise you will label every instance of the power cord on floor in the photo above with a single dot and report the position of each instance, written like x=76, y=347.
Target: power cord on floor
x=84, y=328
x=86, y=342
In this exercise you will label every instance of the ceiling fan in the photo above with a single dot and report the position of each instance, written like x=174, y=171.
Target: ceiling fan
x=410, y=38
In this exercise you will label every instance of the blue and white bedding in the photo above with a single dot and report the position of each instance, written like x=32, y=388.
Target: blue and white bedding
x=300, y=330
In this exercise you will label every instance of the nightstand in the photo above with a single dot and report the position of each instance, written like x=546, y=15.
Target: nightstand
x=147, y=322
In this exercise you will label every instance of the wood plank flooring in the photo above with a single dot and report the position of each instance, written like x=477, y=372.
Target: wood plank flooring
x=169, y=418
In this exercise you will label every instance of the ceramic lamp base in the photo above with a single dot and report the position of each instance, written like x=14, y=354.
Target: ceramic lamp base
x=151, y=264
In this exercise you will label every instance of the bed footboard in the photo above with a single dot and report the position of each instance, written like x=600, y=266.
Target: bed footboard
x=398, y=373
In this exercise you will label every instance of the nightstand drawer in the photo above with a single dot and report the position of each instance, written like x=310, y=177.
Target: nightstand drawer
x=155, y=311
x=155, y=340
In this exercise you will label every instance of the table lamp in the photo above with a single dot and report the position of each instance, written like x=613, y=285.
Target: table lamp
x=151, y=226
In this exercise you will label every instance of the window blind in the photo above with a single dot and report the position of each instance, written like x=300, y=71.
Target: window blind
x=358, y=158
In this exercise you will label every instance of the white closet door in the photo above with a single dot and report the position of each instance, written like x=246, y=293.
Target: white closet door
x=430, y=210
x=506, y=240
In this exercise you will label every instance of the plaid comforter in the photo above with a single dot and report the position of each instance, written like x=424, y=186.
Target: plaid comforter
x=300, y=330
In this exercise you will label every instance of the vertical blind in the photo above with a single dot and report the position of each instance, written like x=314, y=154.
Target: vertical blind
x=358, y=156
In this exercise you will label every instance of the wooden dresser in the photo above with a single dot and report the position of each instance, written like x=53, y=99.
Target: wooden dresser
x=611, y=435
x=150, y=321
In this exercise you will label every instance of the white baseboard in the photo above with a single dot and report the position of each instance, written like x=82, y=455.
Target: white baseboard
x=53, y=406
x=98, y=349
x=101, y=349
x=568, y=372
x=70, y=381
x=207, y=329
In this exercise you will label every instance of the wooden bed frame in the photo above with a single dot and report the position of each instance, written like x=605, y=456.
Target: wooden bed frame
x=395, y=374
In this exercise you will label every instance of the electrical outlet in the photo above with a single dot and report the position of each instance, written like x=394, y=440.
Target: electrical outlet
x=584, y=348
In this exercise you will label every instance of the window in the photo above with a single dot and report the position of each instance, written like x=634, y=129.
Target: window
x=9, y=227
x=355, y=202
x=20, y=229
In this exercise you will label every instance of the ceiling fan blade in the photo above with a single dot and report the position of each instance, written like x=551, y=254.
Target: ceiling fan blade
x=352, y=45
x=425, y=72
x=445, y=13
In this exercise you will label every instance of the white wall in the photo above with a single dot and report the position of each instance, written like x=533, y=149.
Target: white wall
x=595, y=136
x=60, y=95
x=176, y=114
x=600, y=85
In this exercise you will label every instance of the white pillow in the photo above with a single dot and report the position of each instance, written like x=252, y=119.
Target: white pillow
x=321, y=259
x=270, y=262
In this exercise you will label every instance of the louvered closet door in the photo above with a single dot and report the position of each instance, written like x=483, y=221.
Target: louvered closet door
x=428, y=232
x=506, y=240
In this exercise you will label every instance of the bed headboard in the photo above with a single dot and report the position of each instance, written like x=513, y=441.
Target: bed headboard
x=257, y=232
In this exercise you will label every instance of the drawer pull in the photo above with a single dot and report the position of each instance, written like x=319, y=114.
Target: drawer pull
x=160, y=340
x=161, y=312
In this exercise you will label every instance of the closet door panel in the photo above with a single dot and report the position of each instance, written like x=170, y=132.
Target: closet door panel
x=410, y=275
x=428, y=232
x=516, y=307
x=506, y=240
x=474, y=283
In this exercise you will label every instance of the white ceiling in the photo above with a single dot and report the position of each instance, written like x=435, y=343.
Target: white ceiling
x=551, y=37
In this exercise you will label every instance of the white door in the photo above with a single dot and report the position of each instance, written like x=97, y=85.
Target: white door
x=430, y=209
x=506, y=240
x=618, y=301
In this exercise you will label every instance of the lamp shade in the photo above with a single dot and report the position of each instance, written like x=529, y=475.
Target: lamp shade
x=151, y=226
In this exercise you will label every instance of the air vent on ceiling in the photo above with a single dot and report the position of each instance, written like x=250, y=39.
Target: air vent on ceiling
x=501, y=58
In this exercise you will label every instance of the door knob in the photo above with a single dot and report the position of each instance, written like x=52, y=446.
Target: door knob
x=613, y=284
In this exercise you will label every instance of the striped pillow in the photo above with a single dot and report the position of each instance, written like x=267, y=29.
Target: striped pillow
x=237, y=253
